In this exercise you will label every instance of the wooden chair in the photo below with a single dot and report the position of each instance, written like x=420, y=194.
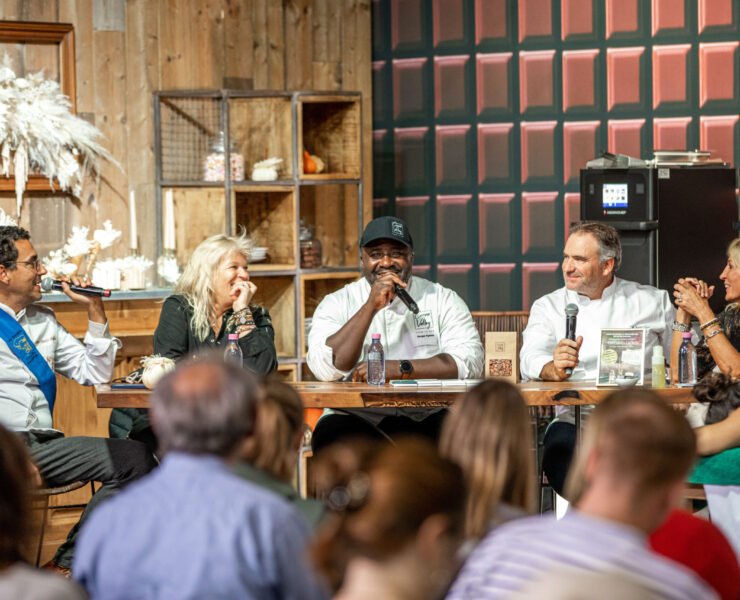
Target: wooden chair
x=41, y=501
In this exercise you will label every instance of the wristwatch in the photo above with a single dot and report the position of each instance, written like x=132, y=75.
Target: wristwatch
x=406, y=369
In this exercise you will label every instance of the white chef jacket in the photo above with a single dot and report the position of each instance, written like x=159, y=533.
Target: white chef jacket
x=23, y=405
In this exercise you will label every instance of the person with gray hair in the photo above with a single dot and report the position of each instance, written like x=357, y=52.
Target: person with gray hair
x=592, y=255
x=193, y=529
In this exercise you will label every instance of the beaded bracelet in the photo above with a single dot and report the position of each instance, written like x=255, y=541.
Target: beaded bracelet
x=709, y=336
x=714, y=321
x=679, y=326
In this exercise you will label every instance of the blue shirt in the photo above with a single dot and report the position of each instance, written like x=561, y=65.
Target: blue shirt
x=192, y=529
x=516, y=553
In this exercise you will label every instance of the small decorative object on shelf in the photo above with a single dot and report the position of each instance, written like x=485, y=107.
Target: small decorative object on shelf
x=39, y=133
x=312, y=164
x=310, y=248
x=214, y=165
x=167, y=267
x=133, y=271
x=266, y=170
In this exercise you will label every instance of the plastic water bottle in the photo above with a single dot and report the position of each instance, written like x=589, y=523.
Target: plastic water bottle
x=233, y=353
x=687, y=360
x=658, y=367
x=376, y=362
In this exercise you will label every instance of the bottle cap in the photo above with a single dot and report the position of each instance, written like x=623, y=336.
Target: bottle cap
x=686, y=335
x=233, y=336
x=376, y=336
x=658, y=352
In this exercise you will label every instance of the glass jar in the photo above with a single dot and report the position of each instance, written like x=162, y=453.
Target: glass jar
x=310, y=248
x=213, y=165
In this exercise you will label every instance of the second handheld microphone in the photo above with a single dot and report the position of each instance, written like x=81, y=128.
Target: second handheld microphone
x=406, y=298
x=571, y=310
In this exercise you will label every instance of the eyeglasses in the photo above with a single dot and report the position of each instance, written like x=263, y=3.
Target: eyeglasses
x=393, y=254
x=36, y=264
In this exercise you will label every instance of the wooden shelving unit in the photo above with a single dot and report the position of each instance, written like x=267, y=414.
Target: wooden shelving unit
x=257, y=126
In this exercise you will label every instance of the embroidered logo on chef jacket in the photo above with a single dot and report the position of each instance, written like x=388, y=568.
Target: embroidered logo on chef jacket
x=424, y=333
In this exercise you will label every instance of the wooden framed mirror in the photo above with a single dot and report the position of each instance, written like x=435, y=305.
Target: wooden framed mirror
x=32, y=47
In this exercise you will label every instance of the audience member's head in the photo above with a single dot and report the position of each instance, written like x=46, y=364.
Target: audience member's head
x=636, y=452
x=205, y=407
x=279, y=431
x=722, y=393
x=14, y=499
x=488, y=434
x=401, y=511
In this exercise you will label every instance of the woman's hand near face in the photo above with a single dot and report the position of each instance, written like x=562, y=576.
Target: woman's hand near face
x=244, y=292
x=691, y=295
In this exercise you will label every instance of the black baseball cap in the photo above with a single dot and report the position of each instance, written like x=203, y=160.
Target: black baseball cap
x=387, y=228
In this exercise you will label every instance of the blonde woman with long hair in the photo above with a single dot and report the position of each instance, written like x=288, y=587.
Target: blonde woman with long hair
x=212, y=299
x=488, y=434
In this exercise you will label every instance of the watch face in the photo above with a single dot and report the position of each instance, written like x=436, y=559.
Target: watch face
x=406, y=366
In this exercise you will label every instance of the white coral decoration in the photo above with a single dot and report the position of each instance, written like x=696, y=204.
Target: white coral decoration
x=6, y=219
x=106, y=236
x=40, y=134
x=77, y=242
x=57, y=265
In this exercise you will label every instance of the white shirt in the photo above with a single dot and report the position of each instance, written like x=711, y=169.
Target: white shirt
x=23, y=405
x=624, y=304
x=444, y=325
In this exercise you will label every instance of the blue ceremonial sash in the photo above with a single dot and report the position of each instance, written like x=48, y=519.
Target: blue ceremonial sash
x=15, y=336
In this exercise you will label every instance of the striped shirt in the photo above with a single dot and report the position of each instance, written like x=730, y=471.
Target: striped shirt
x=518, y=552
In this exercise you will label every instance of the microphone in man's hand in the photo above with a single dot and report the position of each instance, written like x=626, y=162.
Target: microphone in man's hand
x=571, y=310
x=48, y=284
x=406, y=299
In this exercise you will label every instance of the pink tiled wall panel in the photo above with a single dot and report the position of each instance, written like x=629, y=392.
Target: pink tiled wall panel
x=627, y=137
x=381, y=81
x=580, y=91
x=717, y=14
x=451, y=86
x=407, y=19
x=410, y=153
x=449, y=23
x=671, y=134
x=580, y=144
x=496, y=160
x=537, y=80
x=496, y=235
x=623, y=19
x=670, y=76
x=499, y=284
x=382, y=162
x=669, y=16
x=491, y=21
x=538, y=141
x=539, y=279
x=535, y=19
x=539, y=224
x=721, y=134
x=409, y=99
x=718, y=75
x=571, y=212
x=416, y=210
x=453, y=155
x=453, y=216
x=459, y=278
x=494, y=93
x=424, y=271
x=624, y=68
x=578, y=20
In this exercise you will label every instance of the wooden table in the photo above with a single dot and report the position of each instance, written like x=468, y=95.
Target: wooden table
x=361, y=395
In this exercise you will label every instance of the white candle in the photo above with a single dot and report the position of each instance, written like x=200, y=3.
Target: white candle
x=169, y=221
x=133, y=233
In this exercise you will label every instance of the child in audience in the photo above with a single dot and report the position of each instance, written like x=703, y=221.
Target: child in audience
x=488, y=434
x=397, y=526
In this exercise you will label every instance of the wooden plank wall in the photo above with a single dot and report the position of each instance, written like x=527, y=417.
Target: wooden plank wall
x=128, y=49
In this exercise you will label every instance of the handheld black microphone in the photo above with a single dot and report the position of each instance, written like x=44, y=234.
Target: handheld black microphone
x=48, y=284
x=406, y=299
x=571, y=310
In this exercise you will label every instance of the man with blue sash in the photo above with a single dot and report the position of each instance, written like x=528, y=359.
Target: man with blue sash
x=33, y=348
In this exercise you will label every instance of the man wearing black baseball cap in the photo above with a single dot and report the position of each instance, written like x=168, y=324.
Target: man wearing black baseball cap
x=439, y=341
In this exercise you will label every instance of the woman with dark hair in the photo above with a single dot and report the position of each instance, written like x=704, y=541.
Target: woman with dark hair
x=397, y=527
x=488, y=434
x=18, y=580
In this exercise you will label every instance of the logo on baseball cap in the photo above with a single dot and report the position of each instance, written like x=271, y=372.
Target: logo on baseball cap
x=387, y=228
